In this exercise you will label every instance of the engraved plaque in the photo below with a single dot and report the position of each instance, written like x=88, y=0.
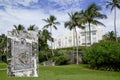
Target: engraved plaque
x=22, y=54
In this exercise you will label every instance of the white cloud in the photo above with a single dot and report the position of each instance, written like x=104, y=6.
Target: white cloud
x=16, y=16
x=20, y=16
x=15, y=2
x=12, y=17
x=68, y=5
x=65, y=2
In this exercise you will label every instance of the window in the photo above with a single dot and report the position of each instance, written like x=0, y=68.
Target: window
x=83, y=40
x=93, y=33
x=83, y=34
x=94, y=39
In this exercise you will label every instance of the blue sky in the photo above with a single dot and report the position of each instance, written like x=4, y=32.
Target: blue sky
x=28, y=12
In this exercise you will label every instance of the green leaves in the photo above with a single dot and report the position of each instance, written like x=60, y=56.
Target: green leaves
x=113, y=4
x=109, y=36
x=105, y=55
x=74, y=21
x=19, y=27
x=51, y=21
x=32, y=28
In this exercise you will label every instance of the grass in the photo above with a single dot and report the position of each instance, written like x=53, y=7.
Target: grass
x=68, y=72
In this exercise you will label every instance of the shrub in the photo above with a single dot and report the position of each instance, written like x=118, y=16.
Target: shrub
x=104, y=55
x=61, y=60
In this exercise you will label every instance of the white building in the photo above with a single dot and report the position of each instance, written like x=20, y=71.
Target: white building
x=67, y=40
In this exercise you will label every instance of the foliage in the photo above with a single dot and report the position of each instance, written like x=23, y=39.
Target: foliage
x=44, y=55
x=51, y=22
x=43, y=37
x=32, y=28
x=44, y=51
x=19, y=28
x=104, y=55
x=72, y=24
x=61, y=60
x=3, y=46
x=91, y=16
x=109, y=36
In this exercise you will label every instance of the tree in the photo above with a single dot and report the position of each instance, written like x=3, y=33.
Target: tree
x=72, y=24
x=43, y=37
x=114, y=4
x=19, y=27
x=51, y=23
x=90, y=16
x=109, y=36
x=3, y=45
x=32, y=28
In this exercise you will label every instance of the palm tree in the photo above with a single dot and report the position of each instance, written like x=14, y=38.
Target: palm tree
x=51, y=23
x=114, y=4
x=72, y=24
x=90, y=16
x=19, y=28
x=32, y=28
x=109, y=36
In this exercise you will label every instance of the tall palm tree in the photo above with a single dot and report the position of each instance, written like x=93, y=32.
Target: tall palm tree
x=72, y=24
x=51, y=23
x=114, y=4
x=90, y=16
x=32, y=28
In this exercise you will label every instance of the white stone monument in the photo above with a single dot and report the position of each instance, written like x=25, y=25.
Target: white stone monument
x=22, y=53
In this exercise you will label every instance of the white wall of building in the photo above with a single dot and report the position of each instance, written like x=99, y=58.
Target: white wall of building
x=67, y=40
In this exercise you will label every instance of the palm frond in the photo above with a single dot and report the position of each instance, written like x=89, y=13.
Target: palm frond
x=55, y=27
x=15, y=27
x=46, y=20
x=95, y=22
x=51, y=22
x=118, y=6
x=46, y=26
x=101, y=16
x=56, y=23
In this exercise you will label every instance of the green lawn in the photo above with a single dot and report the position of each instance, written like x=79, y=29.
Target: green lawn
x=69, y=72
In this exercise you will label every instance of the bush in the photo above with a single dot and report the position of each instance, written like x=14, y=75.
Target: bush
x=61, y=60
x=44, y=55
x=104, y=55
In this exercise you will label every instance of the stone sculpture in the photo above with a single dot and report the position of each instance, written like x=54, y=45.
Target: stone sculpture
x=22, y=50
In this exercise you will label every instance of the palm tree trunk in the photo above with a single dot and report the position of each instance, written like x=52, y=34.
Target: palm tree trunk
x=76, y=47
x=51, y=41
x=85, y=38
x=73, y=42
x=115, y=24
x=89, y=33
